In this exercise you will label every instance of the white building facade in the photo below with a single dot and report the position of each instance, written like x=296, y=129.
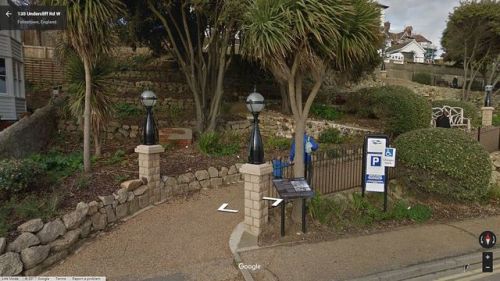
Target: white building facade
x=12, y=91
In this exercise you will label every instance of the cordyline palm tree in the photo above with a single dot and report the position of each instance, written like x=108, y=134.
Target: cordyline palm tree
x=298, y=39
x=89, y=26
x=100, y=104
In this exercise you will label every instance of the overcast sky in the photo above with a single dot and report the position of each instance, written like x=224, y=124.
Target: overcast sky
x=428, y=17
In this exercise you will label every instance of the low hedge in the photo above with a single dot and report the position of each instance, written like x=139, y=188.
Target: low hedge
x=400, y=108
x=470, y=110
x=422, y=78
x=446, y=162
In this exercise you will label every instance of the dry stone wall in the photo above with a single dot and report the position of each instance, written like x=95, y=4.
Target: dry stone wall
x=273, y=123
x=40, y=245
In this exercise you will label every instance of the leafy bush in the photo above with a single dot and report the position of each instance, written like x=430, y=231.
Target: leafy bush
x=18, y=175
x=470, y=110
x=212, y=144
x=58, y=165
x=422, y=78
x=445, y=162
x=400, y=108
x=118, y=157
x=496, y=120
x=325, y=112
x=331, y=135
x=277, y=143
x=123, y=110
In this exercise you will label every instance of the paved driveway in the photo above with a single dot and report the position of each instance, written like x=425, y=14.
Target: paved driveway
x=176, y=241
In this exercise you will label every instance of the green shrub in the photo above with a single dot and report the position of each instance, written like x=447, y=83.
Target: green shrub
x=325, y=112
x=323, y=209
x=445, y=162
x=30, y=207
x=117, y=157
x=18, y=175
x=174, y=114
x=59, y=165
x=83, y=181
x=422, y=78
x=331, y=135
x=277, y=143
x=470, y=110
x=339, y=211
x=400, y=108
x=124, y=110
x=213, y=144
x=496, y=120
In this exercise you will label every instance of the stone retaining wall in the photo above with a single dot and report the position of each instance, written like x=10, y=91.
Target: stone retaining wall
x=114, y=130
x=283, y=126
x=40, y=245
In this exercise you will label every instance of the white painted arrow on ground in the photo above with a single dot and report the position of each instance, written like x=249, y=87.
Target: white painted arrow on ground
x=222, y=208
x=275, y=204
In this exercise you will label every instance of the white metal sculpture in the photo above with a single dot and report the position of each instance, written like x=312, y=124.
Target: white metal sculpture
x=456, y=115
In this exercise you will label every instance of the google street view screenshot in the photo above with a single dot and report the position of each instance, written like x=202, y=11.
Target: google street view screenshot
x=249, y=140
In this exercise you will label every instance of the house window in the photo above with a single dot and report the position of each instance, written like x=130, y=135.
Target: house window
x=3, y=78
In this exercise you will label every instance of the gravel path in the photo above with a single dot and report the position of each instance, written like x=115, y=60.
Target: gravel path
x=177, y=241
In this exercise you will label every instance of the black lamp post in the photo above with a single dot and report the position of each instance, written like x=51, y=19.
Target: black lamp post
x=148, y=99
x=487, y=99
x=255, y=104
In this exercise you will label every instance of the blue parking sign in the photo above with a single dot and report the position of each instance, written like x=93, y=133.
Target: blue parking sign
x=376, y=161
x=389, y=152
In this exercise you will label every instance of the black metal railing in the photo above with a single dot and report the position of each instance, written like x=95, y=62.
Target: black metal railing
x=337, y=169
x=332, y=170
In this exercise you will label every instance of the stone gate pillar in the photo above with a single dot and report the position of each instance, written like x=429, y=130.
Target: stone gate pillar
x=257, y=180
x=487, y=116
x=149, y=168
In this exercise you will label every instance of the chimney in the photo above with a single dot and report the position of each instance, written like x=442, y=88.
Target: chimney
x=408, y=30
x=387, y=26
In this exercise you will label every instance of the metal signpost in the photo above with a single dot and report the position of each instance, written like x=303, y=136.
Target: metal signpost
x=377, y=157
x=289, y=189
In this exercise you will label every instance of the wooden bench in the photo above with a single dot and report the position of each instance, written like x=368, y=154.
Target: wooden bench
x=456, y=115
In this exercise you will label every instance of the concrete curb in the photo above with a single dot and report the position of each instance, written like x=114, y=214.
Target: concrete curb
x=234, y=241
x=436, y=266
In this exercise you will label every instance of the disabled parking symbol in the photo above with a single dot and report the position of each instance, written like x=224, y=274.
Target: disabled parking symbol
x=389, y=152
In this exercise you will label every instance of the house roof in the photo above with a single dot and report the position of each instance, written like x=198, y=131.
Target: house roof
x=397, y=47
x=406, y=34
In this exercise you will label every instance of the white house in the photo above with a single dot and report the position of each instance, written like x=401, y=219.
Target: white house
x=411, y=50
x=12, y=95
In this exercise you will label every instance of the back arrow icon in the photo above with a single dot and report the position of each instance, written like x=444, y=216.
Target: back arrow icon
x=8, y=14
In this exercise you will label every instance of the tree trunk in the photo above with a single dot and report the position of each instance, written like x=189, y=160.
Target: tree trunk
x=86, y=117
x=97, y=145
x=464, y=95
x=298, y=167
x=285, y=101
